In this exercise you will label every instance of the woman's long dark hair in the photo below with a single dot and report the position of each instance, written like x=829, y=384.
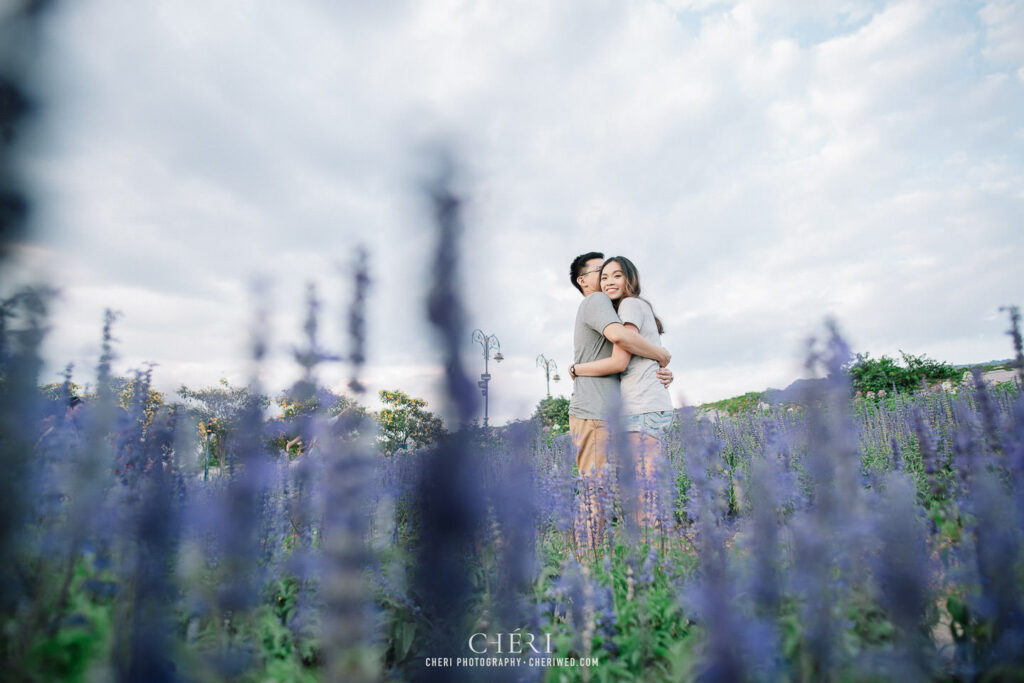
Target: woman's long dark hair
x=632, y=285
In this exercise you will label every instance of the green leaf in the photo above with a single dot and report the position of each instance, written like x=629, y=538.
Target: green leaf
x=404, y=638
x=957, y=610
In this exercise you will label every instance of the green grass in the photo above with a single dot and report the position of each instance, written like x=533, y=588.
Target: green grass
x=735, y=405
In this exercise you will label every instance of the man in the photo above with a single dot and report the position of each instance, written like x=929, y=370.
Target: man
x=597, y=328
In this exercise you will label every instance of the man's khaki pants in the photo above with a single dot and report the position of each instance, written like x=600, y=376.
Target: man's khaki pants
x=591, y=440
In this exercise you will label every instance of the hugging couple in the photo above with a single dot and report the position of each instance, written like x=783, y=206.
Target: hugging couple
x=618, y=362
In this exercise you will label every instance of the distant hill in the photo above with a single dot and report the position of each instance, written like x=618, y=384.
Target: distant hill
x=793, y=392
x=752, y=399
x=800, y=387
x=990, y=365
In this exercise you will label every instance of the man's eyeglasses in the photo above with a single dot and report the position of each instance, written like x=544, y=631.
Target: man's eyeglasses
x=590, y=271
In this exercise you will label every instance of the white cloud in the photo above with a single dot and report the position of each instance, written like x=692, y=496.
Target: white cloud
x=764, y=166
x=1004, y=32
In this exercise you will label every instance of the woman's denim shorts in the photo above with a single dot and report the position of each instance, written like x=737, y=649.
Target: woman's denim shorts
x=650, y=423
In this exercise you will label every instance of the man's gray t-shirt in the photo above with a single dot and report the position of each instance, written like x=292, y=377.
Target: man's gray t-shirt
x=593, y=397
x=642, y=391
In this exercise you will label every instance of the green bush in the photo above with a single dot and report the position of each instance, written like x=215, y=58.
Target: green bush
x=737, y=404
x=885, y=373
x=554, y=413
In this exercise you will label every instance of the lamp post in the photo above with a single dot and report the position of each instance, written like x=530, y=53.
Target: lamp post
x=207, y=432
x=487, y=342
x=549, y=366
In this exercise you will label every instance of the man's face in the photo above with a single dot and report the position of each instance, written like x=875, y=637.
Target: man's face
x=590, y=278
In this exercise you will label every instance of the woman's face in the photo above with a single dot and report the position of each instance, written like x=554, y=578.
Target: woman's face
x=613, y=281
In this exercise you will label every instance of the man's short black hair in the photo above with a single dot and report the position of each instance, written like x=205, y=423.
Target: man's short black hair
x=578, y=263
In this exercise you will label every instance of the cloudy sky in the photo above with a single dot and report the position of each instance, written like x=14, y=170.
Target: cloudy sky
x=764, y=163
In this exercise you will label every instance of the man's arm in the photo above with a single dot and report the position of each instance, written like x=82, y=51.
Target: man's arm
x=612, y=365
x=615, y=363
x=630, y=339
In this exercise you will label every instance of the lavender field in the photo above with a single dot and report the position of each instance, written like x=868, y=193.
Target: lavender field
x=825, y=539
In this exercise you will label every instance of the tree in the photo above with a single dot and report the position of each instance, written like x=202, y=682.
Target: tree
x=138, y=394
x=128, y=392
x=884, y=373
x=295, y=407
x=219, y=410
x=553, y=413
x=405, y=423
x=61, y=391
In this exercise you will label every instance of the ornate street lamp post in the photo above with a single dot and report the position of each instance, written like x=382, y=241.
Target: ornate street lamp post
x=549, y=367
x=487, y=342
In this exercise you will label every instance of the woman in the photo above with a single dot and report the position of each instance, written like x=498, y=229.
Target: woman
x=646, y=404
